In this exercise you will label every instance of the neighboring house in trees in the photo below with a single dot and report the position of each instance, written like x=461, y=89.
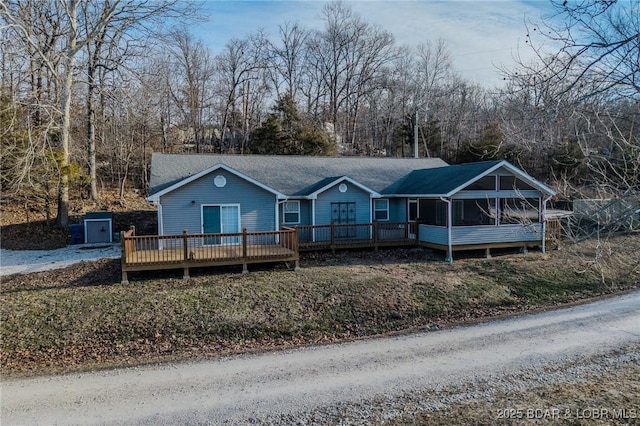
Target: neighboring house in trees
x=476, y=205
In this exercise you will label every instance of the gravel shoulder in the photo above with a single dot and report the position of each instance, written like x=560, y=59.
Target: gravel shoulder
x=319, y=384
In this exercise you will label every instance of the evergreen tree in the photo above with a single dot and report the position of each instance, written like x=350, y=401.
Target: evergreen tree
x=286, y=133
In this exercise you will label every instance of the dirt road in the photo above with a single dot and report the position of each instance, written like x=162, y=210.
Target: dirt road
x=286, y=385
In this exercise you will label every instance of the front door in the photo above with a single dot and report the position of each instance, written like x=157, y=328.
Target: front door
x=412, y=216
x=344, y=213
x=222, y=219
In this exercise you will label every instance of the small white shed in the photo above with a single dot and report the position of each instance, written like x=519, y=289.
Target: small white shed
x=98, y=227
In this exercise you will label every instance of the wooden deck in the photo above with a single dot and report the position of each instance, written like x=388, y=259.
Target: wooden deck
x=153, y=252
x=141, y=253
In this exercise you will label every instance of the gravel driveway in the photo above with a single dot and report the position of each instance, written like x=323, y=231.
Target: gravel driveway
x=326, y=384
x=29, y=261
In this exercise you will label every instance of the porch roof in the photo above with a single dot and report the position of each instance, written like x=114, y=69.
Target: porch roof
x=446, y=181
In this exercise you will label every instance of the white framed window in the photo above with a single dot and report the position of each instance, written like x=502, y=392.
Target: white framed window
x=292, y=211
x=381, y=209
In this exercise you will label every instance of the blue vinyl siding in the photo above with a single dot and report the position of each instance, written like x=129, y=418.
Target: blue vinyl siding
x=469, y=235
x=305, y=213
x=461, y=235
x=434, y=234
x=353, y=195
x=257, y=206
x=397, y=209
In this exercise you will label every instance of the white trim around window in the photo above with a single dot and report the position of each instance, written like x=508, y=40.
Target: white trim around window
x=291, y=212
x=381, y=209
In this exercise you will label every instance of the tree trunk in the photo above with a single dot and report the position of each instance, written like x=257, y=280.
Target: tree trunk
x=63, y=187
x=91, y=134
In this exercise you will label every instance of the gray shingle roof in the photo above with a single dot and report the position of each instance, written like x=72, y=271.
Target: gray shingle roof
x=442, y=180
x=291, y=175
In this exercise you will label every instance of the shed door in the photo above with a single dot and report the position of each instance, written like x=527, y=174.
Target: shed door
x=98, y=230
x=223, y=219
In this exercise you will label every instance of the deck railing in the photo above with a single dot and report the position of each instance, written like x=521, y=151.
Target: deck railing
x=150, y=252
x=376, y=234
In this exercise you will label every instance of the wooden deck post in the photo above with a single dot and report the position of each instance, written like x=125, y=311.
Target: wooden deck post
x=185, y=252
x=332, y=230
x=123, y=259
x=185, y=246
x=295, y=247
x=124, y=246
x=375, y=236
x=244, y=242
x=244, y=251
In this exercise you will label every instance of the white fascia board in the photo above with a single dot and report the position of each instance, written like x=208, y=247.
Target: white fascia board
x=477, y=177
x=413, y=195
x=372, y=193
x=156, y=197
x=530, y=180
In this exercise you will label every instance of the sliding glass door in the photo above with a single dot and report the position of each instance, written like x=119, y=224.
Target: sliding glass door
x=221, y=219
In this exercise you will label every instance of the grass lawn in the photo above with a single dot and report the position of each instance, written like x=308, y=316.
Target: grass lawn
x=82, y=317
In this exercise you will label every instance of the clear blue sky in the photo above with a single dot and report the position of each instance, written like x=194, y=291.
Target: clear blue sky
x=480, y=34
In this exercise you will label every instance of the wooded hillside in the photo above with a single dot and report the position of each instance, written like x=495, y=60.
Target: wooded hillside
x=89, y=89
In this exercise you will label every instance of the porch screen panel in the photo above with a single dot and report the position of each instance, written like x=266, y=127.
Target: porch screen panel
x=519, y=210
x=432, y=212
x=473, y=212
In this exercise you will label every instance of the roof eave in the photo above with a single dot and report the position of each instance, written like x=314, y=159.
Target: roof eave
x=314, y=194
x=524, y=176
x=156, y=196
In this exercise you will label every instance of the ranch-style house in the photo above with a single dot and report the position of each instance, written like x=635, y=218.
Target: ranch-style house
x=234, y=209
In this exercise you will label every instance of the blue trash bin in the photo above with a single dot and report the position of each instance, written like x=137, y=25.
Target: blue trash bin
x=76, y=232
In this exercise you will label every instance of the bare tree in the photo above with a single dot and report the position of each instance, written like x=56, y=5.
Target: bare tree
x=192, y=73
x=599, y=45
x=73, y=42
x=349, y=55
x=77, y=34
x=434, y=75
x=390, y=106
x=287, y=59
x=239, y=68
x=575, y=110
x=30, y=96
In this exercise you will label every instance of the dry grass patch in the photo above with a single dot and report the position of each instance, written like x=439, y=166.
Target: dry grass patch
x=601, y=391
x=81, y=317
